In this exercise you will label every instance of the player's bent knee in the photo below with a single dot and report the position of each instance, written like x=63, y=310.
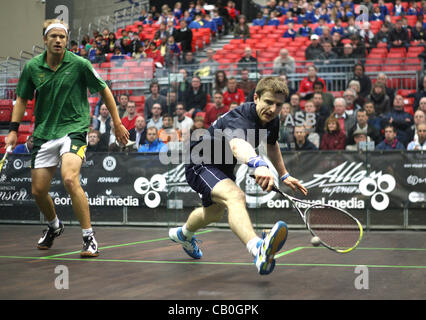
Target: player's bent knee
x=71, y=183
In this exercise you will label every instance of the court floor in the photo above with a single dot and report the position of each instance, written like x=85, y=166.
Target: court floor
x=142, y=263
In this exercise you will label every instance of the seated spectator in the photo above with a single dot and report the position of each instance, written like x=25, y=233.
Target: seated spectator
x=273, y=19
x=289, y=18
x=181, y=122
x=245, y=83
x=300, y=141
x=284, y=63
x=291, y=91
x=138, y=133
x=195, y=99
x=359, y=45
x=305, y=30
x=154, y=97
x=327, y=57
x=210, y=62
x=418, y=33
x=321, y=25
x=241, y=29
x=301, y=17
x=364, y=80
x=350, y=97
x=337, y=28
x=259, y=21
x=183, y=36
x=337, y=44
x=101, y=123
x=286, y=137
x=168, y=133
x=295, y=103
x=346, y=119
x=373, y=120
x=322, y=111
x=382, y=36
x=377, y=15
x=152, y=142
x=333, y=137
x=172, y=54
x=306, y=87
x=398, y=9
x=358, y=136
x=189, y=63
x=108, y=139
x=290, y=32
x=233, y=105
x=129, y=120
x=156, y=120
x=171, y=101
x=398, y=36
x=233, y=93
x=214, y=111
x=420, y=144
x=313, y=51
x=197, y=23
x=352, y=28
x=411, y=9
x=311, y=122
x=197, y=129
x=220, y=81
x=400, y=120
x=420, y=94
x=383, y=9
x=383, y=79
x=93, y=142
x=355, y=85
x=248, y=61
x=380, y=99
x=363, y=126
x=390, y=142
x=419, y=118
x=122, y=105
x=25, y=148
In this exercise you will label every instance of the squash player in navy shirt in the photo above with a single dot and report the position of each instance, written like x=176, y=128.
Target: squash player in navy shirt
x=211, y=173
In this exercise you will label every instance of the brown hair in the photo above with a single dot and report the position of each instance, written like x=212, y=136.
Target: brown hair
x=275, y=85
x=332, y=118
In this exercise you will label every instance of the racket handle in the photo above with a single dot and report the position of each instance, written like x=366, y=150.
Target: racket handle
x=274, y=187
x=9, y=149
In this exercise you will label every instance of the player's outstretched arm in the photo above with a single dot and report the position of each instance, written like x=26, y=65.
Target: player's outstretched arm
x=17, y=114
x=274, y=154
x=121, y=132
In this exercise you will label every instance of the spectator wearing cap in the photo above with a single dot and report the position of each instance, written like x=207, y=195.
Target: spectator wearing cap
x=358, y=136
x=314, y=49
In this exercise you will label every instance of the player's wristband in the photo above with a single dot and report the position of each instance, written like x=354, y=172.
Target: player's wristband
x=285, y=176
x=257, y=161
x=14, y=126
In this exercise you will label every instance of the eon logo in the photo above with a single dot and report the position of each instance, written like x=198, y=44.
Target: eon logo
x=157, y=183
x=385, y=183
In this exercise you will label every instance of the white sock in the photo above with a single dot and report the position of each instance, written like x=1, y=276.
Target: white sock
x=252, y=245
x=54, y=223
x=188, y=234
x=87, y=232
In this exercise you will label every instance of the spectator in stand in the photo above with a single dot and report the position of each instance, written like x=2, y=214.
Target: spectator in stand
x=129, y=120
x=383, y=79
x=197, y=23
x=419, y=118
x=183, y=85
x=346, y=119
x=313, y=51
x=108, y=139
x=333, y=137
x=195, y=99
x=305, y=30
x=154, y=97
x=233, y=13
x=161, y=32
x=295, y=103
x=352, y=28
x=350, y=97
x=248, y=61
x=422, y=104
x=93, y=142
x=168, y=133
x=337, y=44
x=189, y=63
x=259, y=21
x=398, y=37
x=373, y=120
x=152, y=142
x=322, y=111
x=233, y=93
x=364, y=80
x=181, y=122
x=289, y=18
x=321, y=25
x=418, y=33
x=153, y=53
x=382, y=102
x=210, y=62
x=355, y=85
x=306, y=87
x=241, y=29
x=399, y=119
x=418, y=96
x=101, y=123
x=290, y=32
x=383, y=9
x=358, y=46
x=291, y=91
x=138, y=133
x=300, y=141
x=25, y=148
x=358, y=137
x=391, y=141
x=214, y=111
x=419, y=144
x=197, y=129
x=326, y=58
x=284, y=63
x=122, y=106
x=337, y=28
x=377, y=15
x=362, y=125
x=246, y=84
x=311, y=123
x=273, y=19
x=156, y=120
x=220, y=81
x=382, y=36
x=398, y=9
x=286, y=136
x=326, y=35
x=183, y=36
x=171, y=101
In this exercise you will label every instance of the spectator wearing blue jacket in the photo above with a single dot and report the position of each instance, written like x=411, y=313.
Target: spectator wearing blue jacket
x=390, y=142
x=305, y=30
x=152, y=143
x=399, y=119
x=338, y=28
x=25, y=148
x=259, y=21
x=290, y=32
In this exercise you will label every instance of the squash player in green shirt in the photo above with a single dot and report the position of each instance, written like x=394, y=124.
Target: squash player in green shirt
x=60, y=80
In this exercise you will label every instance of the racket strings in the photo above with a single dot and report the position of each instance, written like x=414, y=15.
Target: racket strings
x=333, y=227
